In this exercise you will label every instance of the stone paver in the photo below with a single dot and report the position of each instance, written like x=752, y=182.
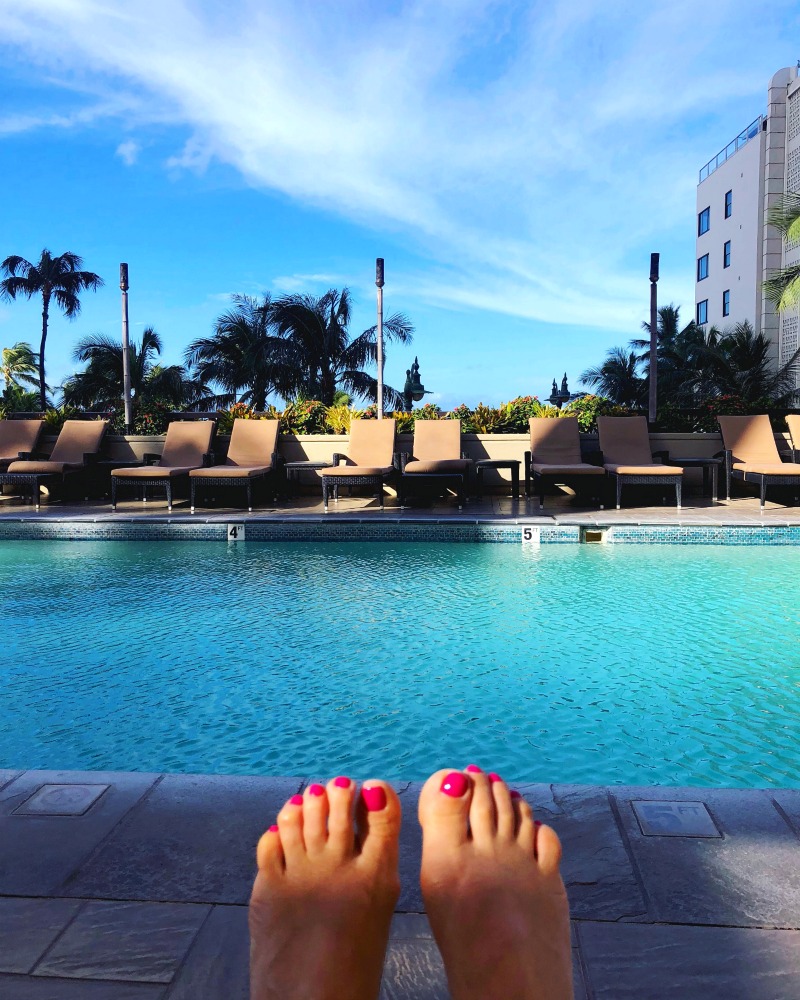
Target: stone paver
x=749, y=877
x=649, y=962
x=38, y=853
x=134, y=942
x=410, y=850
x=7, y=776
x=788, y=801
x=193, y=840
x=30, y=988
x=28, y=927
x=217, y=965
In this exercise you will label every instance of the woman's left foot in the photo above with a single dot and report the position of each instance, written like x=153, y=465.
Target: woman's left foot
x=324, y=895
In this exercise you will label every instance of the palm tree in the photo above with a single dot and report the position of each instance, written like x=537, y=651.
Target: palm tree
x=18, y=365
x=679, y=355
x=243, y=353
x=323, y=358
x=58, y=278
x=738, y=362
x=783, y=287
x=617, y=378
x=99, y=386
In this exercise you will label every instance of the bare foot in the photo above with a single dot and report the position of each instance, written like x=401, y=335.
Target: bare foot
x=324, y=895
x=492, y=890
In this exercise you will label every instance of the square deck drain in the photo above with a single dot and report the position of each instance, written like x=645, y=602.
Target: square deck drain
x=61, y=800
x=675, y=819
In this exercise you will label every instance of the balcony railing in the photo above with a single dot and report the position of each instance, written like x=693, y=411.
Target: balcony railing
x=741, y=139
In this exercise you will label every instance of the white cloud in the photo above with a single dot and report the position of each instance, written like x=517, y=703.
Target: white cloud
x=534, y=153
x=128, y=152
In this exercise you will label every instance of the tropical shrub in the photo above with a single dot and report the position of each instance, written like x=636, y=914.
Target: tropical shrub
x=304, y=416
x=405, y=422
x=430, y=411
x=338, y=417
x=588, y=408
x=153, y=417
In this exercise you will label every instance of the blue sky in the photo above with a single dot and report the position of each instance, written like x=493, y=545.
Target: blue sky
x=514, y=163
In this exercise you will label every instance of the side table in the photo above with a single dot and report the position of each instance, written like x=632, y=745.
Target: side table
x=708, y=465
x=294, y=469
x=498, y=463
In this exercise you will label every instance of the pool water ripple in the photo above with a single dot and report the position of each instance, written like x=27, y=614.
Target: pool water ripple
x=597, y=664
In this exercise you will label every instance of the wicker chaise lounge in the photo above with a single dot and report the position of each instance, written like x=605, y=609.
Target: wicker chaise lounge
x=76, y=448
x=369, y=462
x=252, y=458
x=627, y=458
x=18, y=440
x=751, y=454
x=793, y=423
x=555, y=457
x=437, y=458
x=187, y=446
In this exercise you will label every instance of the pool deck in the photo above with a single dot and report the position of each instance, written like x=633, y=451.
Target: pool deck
x=124, y=886
x=128, y=886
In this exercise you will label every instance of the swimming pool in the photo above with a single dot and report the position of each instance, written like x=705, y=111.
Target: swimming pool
x=573, y=663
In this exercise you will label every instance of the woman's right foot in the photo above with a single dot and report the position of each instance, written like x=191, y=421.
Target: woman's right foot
x=492, y=890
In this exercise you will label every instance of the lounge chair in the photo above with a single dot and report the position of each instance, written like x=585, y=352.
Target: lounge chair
x=793, y=423
x=555, y=457
x=370, y=461
x=187, y=446
x=437, y=458
x=752, y=455
x=627, y=458
x=18, y=440
x=252, y=458
x=76, y=448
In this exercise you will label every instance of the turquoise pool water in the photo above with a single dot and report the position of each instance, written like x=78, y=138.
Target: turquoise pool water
x=570, y=663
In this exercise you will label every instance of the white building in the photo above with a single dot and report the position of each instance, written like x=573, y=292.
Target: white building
x=736, y=250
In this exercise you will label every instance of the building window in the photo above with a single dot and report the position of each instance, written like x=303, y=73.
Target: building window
x=726, y=302
x=703, y=221
x=726, y=254
x=702, y=312
x=728, y=204
x=702, y=267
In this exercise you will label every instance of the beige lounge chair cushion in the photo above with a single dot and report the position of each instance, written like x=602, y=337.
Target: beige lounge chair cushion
x=78, y=438
x=769, y=468
x=151, y=472
x=230, y=472
x=371, y=443
x=555, y=441
x=437, y=440
x=43, y=468
x=348, y=471
x=651, y=469
x=17, y=436
x=454, y=466
x=579, y=469
x=750, y=439
x=793, y=423
x=624, y=441
x=253, y=443
x=186, y=443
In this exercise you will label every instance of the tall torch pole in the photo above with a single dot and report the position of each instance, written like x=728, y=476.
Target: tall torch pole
x=379, y=283
x=651, y=416
x=126, y=361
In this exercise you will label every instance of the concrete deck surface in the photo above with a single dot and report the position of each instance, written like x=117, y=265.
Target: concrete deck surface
x=127, y=886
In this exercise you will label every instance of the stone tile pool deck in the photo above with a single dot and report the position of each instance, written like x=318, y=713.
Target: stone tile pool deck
x=125, y=886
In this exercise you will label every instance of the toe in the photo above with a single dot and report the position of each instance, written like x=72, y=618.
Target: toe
x=269, y=853
x=378, y=819
x=482, y=820
x=548, y=849
x=341, y=834
x=526, y=830
x=315, y=818
x=506, y=818
x=444, y=806
x=290, y=827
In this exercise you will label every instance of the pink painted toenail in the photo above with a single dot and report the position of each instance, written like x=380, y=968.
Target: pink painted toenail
x=316, y=790
x=494, y=777
x=342, y=782
x=374, y=798
x=537, y=822
x=296, y=800
x=454, y=784
x=515, y=794
x=474, y=769
x=273, y=829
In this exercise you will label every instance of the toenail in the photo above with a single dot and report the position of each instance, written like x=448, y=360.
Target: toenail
x=273, y=829
x=474, y=769
x=341, y=782
x=515, y=794
x=537, y=822
x=494, y=777
x=374, y=798
x=316, y=790
x=455, y=784
x=296, y=800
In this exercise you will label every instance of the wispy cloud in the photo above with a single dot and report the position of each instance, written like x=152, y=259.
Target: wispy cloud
x=533, y=153
x=128, y=152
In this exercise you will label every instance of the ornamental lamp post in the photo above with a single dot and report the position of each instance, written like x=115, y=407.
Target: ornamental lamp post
x=379, y=332
x=413, y=390
x=651, y=414
x=126, y=361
